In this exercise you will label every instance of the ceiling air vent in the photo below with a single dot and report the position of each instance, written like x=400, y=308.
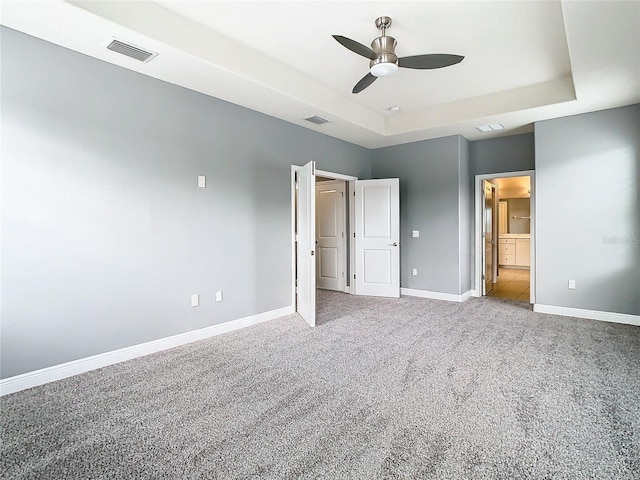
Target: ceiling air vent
x=131, y=50
x=317, y=120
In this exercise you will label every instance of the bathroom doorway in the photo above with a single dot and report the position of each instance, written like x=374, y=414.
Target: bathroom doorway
x=505, y=236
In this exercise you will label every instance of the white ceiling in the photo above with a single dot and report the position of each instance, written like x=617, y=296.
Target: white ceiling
x=524, y=61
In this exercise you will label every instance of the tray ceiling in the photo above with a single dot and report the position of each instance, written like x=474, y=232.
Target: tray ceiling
x=524, y=61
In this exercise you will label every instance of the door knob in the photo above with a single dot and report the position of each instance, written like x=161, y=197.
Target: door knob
x=394, y=244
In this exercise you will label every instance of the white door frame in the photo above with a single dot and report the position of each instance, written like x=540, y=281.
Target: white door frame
x=494, y=237
x=350, y=189
x=479, y=244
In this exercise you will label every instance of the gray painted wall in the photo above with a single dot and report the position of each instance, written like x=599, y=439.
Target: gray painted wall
x=465, y=216
x=503, y=154
x=498, y=155
x=587, y=210
x=104, y=233
x=518, y=207
x=429, y=173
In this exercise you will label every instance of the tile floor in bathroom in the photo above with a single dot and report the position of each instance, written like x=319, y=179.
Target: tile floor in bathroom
x=512, y=283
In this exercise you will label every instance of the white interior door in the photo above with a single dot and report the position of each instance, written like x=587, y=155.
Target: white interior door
x=330, y=235
x=487, y=235
x=305, y=246
x=377, y=220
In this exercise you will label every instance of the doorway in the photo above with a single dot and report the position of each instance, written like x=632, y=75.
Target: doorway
x=489, y=235
x=373, y=246
x=303, y=235
x=505, y=235
x=331, y=234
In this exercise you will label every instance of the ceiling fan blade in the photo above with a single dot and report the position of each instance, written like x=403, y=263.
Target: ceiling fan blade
x=356, y=47
x=364, y=82
x=429, y=61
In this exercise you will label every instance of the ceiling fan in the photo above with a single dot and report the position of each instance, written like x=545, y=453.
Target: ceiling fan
x=383, y=59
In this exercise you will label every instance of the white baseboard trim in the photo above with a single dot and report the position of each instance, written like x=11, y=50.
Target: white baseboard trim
x=450, y=297
x=466, y=295
x=590, y=314
x=475, y=293
x=82, y=365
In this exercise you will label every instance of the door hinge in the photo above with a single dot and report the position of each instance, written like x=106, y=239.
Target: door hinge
x=342, y=234
x=296, y=237
x=354, y=234
x=483, y=277
x=341, y=194
x=354, y=276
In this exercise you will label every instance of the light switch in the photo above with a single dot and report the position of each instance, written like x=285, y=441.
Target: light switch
x=202, y=181
x=415, y=233
x=414, y=272
x=218, y=296
x=572, y=284
x=195, y=300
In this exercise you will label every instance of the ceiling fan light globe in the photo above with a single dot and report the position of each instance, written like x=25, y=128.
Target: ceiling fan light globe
x=383, y=69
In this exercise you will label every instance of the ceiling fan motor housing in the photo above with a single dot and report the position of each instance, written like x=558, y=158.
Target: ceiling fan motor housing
x=384, y=47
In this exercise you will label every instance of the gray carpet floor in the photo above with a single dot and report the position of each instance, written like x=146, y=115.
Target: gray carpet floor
x=382, y=388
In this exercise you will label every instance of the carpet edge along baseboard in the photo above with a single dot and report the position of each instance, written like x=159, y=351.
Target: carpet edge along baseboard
x=83, y=365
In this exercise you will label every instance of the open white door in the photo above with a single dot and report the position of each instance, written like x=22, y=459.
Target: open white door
x=306, y=237
x=488, y=190
x=377, y=220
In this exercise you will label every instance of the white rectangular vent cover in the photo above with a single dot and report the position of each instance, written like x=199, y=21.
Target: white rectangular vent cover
x=317, y=120
x=131, y=50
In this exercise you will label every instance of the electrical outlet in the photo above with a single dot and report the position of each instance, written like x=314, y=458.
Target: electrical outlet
x=572, y=284
x=415, y=233
x=414, y=272
x=202, y=181
x=219, y=296
x=195, y=300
